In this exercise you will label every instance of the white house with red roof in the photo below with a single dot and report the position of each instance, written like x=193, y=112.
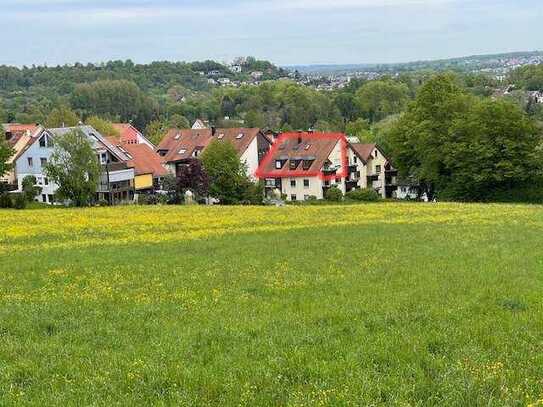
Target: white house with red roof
x=302, y=165
x=180, y=145
x=117, y=180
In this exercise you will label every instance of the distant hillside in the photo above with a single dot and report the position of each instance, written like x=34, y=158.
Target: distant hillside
x=468, y=63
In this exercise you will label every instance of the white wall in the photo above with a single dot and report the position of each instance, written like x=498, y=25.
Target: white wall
x=250, y=158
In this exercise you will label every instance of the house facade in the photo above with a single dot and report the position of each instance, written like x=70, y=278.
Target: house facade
x=17, y=136
x=181, y=145
x=371, y=168
x=116, y=181
x=305, y=165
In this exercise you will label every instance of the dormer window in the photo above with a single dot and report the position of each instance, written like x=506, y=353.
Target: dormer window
x=221, y=136
x=162, y=153
x=307, y=163
x=177, y=136
x=46, y=141
x=278, y=164
x=182, y=151
x=239, y=136
x=294, y=163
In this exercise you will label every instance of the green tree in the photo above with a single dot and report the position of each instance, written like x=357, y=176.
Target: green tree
x=495, y=147
x=29, y=187
x=463, y=147
x=178, y=121
x=417, y=140
x=74, y=167
x=227, y=179
x=155, y=132
x=114, y=99
x=3, y=114
x=61, y=116
x=379, y=99
x=5, y=154
x=104, y=127
x=359, y=128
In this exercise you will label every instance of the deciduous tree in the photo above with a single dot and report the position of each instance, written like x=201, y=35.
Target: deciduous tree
x=74, y=167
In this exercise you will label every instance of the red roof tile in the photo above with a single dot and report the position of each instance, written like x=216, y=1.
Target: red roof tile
x=180, y=144
x=311, y=148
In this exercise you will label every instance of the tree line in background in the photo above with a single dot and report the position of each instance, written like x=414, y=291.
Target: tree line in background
x=445, y=130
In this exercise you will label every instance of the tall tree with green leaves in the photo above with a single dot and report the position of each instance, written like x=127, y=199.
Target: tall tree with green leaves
x=61, y=116
x=74, y=167
x=5, y=154
x=104, y=127
x=465, y=148
x=379, y=99
x=420, y=135
x=227, y=178
x=155, y=131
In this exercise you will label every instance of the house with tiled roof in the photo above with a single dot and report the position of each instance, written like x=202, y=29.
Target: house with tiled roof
x=17, y=137
x=128, y=134
x=180, y=145
x=117, y=179
x=149, y=171
x=371, y=168
x=304, y=165
x=14, y=131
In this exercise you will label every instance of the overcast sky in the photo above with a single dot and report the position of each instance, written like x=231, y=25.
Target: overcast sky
x=284, y=31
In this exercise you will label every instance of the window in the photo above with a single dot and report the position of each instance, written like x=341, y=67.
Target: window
x=278, y=164
x=355, y=159
x=376, y=154
x=182, y=151
x=51, y=198
x=177, y=136
x=45, y=181
x=221, y=136
x=39, y=181
x=293, y=197
x=43, y=143
x=307, y=164
x=239, y=136
x=103, y=158
x=338, y=180
x=30, y=162
x=293, y=183
x=378, y=169
x=44, y=198
x=306, y=183
x=43, y=161
x=294, y=164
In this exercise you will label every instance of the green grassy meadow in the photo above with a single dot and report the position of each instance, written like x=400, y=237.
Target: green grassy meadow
x=379, y=304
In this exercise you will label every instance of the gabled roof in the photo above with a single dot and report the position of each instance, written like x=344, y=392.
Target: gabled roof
x=145, y=160
x=364, y=151
x=180, y=144
x=129, y=134
x=96, y=139
x=18, y=130
x=313, y=148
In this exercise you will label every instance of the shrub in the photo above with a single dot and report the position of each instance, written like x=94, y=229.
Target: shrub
x=334, y=194
x=19, y=201
x=364, y=195
x=6, y=201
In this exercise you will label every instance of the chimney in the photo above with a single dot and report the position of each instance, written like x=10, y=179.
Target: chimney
x=213, y=131
x=299, y=139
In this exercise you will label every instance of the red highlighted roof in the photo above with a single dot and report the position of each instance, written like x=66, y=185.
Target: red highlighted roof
x=304, y=154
